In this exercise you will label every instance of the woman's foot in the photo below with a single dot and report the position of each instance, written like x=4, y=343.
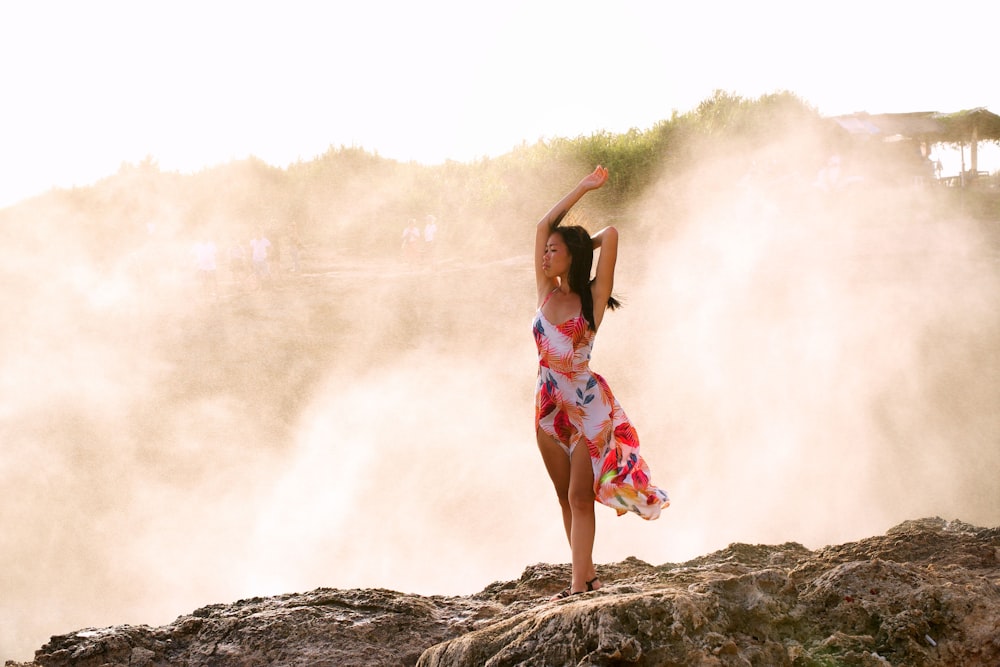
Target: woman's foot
x=564, y=593
x=592, y=585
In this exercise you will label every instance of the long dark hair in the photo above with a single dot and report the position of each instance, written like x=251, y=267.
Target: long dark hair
x=581, y=251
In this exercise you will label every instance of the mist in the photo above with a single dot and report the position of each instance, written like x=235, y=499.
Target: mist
x=802, y=364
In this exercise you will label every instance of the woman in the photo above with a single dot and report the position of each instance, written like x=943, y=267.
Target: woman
x=589, y=447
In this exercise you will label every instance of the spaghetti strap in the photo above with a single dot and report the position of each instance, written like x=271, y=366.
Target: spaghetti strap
x=548, y=296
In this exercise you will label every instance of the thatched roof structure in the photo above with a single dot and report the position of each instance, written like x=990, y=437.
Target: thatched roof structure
x=915, y=125
x=969, y=126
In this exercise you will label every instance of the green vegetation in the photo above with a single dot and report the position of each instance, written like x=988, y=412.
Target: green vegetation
x=351, y=200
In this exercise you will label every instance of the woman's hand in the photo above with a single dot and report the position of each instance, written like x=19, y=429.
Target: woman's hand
x=595, y=179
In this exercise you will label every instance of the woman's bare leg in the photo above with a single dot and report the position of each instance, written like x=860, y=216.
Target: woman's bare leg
x=557, y=465
x=573, y=479
x=582, y=522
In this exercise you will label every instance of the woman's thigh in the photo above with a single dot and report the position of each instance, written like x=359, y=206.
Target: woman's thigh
x=556, y=462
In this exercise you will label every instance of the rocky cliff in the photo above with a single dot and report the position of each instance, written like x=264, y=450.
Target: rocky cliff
x=925, y=593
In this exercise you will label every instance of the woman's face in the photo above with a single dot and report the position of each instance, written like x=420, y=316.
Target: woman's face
x=556, y=259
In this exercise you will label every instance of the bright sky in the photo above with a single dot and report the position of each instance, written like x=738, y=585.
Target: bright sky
x=86, y=86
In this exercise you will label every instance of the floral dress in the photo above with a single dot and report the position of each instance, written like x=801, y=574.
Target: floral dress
x=576, y=407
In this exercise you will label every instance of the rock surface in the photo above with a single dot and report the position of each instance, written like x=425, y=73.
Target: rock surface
x=925, y=593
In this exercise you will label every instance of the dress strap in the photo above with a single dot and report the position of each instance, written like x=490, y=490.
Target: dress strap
x=549, y=296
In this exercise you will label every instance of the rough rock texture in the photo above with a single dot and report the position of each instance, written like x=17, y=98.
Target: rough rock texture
x=925, y=593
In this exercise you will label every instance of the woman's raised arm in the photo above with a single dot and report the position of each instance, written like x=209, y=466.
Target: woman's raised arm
x=551, y=220
x=604, y=276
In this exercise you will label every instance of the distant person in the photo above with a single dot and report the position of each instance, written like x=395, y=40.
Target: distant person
x=430, y=233
x=274, y=257
x=834, y=177
x=829, y=177
x=588, y=445
x=204, y=259
x=258, y=258
x=411, y=241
